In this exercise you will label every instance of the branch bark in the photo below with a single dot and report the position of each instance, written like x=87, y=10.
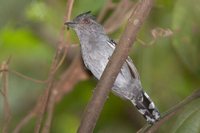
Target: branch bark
x=52, y=94
x=113, y=67
x=4, y=91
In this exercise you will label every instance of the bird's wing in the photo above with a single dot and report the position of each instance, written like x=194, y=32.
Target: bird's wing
x=111, y=43
x=129, y=61
x=132, y=68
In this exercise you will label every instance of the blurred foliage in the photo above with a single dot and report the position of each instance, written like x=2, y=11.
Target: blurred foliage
x=188, y=120
x=186, y=42
x=169, y=68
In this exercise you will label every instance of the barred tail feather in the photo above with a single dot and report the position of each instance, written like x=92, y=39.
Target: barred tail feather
x=146, y=107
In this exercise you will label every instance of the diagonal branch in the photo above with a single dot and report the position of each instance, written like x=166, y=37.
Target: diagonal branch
x=113, y=67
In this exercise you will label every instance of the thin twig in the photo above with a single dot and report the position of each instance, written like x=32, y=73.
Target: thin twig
x=27, y=77
x=24, y=121
x=1, y=90
x=7, y=109
x=62, y=86
x=108, y=5
x=54, y=92
x=119, y=15
x=48, y=92
x=113, y=67
x=73, y=74
x=156, y=34
x=62, y=59
x=69, y=78
x=56, y=64
x=33, y=113
x=171, y=112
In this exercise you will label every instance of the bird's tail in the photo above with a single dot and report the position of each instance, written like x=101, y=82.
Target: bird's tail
x=146, y=107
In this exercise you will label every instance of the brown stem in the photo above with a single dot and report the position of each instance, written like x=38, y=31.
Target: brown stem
x=106, y=7
x=54, y=92
x=119, y=16
x=27, y=118
x=73, y=74
x=6, y=106
x=69, y=78
x=27, y=78
x=113, y=67
x=40, y=115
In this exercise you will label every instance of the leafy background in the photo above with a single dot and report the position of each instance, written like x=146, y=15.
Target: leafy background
x=169, y=68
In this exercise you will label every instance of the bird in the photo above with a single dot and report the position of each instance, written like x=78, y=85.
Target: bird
x=96, y=50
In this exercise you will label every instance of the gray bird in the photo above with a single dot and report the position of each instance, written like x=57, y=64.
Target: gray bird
x=96, y=49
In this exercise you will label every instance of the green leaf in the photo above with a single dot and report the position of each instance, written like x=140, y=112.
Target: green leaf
x=37, y=11
x=21, y=43
x=81, y=6
x=186, y=34
x=66, y=123
x=189, y=119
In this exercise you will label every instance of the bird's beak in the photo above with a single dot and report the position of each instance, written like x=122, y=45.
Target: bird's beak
x=70, y=24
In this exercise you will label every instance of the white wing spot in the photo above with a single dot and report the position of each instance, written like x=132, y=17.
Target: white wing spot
x=146, y=95
x=150, y=119
x=133, y=101
x=142, y=111
x=156, y=114
x=151, y=105
x=111, y=44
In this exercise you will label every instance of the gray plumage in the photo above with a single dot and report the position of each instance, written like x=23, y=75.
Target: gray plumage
x=96, y=49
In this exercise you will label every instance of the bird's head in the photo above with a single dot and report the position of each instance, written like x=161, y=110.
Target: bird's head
x=85, y=23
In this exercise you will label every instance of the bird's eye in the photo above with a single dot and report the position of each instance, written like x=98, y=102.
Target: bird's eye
x=85, y=21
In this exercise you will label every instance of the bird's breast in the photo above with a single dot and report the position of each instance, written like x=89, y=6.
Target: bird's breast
x=96, y=57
